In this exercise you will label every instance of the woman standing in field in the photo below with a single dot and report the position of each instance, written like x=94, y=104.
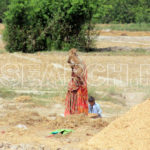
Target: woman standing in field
x=77, y=95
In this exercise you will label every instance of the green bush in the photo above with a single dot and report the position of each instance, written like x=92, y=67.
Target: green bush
x=143, y=15
x=36, y=25
x=3, y=7
x=122, y=11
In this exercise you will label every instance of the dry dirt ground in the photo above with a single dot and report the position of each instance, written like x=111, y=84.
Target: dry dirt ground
x=39, y=122
x=40, y=82
x=109, y=38
x=132, y=41
x=43, y=72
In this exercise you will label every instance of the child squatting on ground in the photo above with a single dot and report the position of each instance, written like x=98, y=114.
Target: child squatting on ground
x=94, y=108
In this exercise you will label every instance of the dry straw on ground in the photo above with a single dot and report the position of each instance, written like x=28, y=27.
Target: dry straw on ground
x=130, y=132
x=23, y=99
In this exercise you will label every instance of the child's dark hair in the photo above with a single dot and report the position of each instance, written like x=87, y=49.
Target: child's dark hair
x=91, y=99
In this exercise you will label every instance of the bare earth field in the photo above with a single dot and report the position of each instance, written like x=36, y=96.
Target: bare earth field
x=33, y=89
x=113, y=80
x=123, y=41
x=108, y=38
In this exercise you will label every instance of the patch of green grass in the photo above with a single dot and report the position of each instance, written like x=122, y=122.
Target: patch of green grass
x=39, y=102
x=2, y=51
x=43, y=97
x=109, y=98
x=112, y=90
x=124, y=27
x=53, y=95
x=132, y=52
x=7, y=93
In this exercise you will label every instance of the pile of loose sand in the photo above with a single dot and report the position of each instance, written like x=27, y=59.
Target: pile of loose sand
x=129, y=132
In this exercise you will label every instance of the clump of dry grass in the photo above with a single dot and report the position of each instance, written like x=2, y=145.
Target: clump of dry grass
x=23, y=98
x=75, y=121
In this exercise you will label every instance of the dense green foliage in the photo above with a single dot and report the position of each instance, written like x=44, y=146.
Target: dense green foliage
x=3, y=7
x=123, y=11
x=33, y=25
x=108, y=11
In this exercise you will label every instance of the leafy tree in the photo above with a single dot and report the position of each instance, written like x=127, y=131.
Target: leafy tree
x=3, y=7
x=103, y=13
x=123, y=11
x=143, y=11
x=33, y=25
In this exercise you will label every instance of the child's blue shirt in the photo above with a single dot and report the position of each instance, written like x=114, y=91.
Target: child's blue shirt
x=96, y=109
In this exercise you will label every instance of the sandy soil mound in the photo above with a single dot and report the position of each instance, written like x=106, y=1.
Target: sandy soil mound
x=131, y=131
